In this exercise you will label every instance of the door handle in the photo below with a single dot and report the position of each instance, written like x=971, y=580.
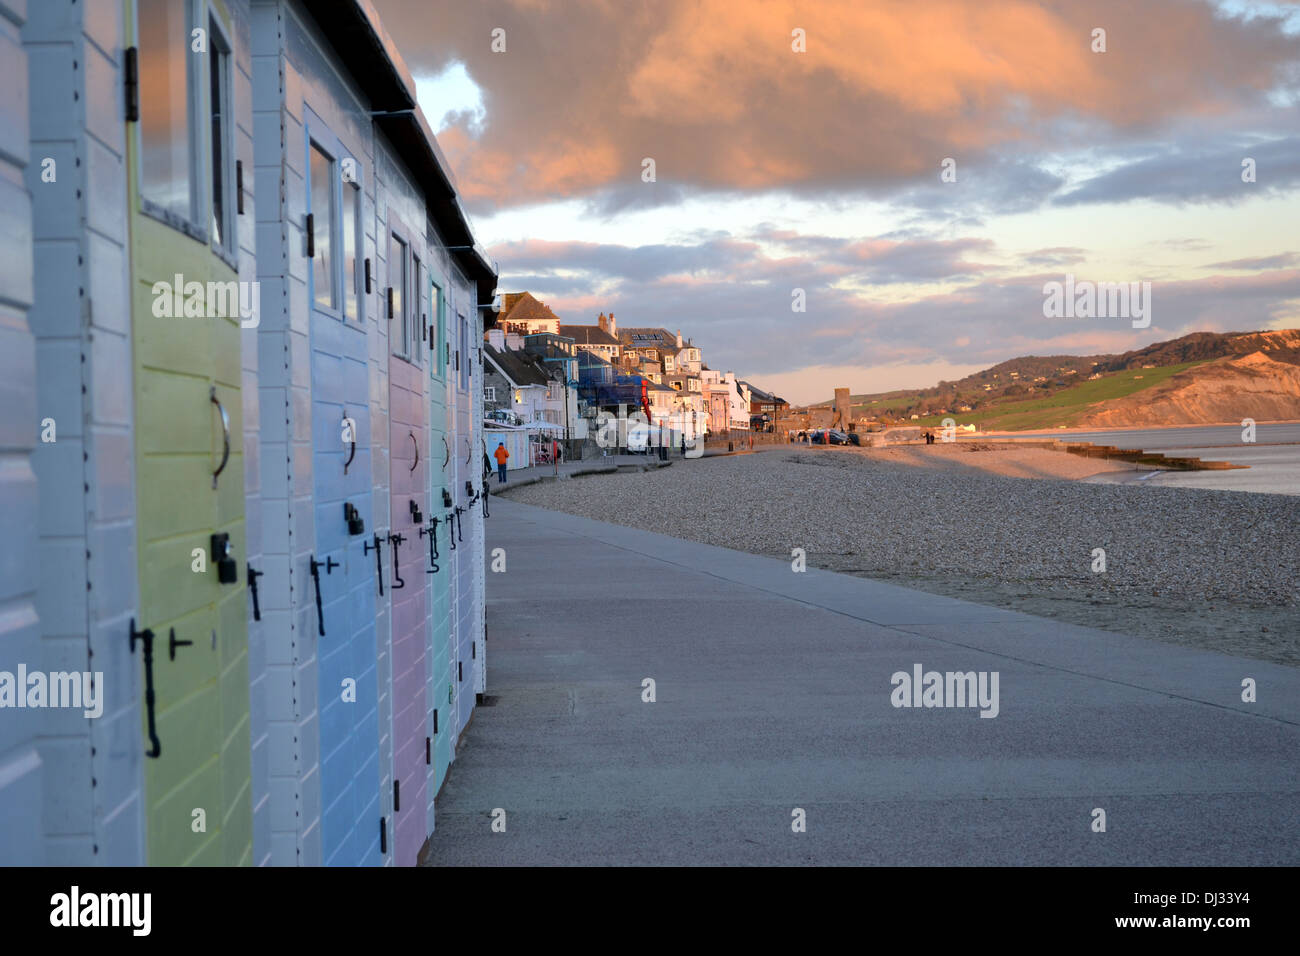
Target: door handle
x=225, y=435
x=469, y=450
x=448, y=447
x=417, y=451
x=146, y=637
x=352, y=454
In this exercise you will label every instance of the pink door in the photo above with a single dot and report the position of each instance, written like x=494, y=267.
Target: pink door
x=409, y=471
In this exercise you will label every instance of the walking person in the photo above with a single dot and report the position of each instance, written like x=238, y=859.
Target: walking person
x=502, y=456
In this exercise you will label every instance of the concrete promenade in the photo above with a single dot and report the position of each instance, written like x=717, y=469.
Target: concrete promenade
x=774, y=693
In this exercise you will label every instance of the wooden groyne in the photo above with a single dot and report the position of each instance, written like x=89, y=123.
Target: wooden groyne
x=1137, y=456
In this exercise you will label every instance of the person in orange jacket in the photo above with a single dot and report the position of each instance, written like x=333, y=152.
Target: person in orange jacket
x=502, y=456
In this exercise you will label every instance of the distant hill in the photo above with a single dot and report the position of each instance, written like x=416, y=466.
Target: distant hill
x=1046, y=391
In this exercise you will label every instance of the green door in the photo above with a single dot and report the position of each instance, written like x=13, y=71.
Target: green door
x=188, y=450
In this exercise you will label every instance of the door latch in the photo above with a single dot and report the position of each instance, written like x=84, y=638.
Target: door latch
x=253, y=575
x=377, y=547
x=446, y=498
x=172, y=644
x=415, y=512
x=433, y=546
x=395, y=540
x=329, y=565
x=227, y=567
x=146, y=637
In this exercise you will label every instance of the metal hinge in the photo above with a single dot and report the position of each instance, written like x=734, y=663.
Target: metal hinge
x=131, y=84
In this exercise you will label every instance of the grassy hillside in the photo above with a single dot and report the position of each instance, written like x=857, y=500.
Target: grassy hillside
x=1064, y=407
x=1044, y=391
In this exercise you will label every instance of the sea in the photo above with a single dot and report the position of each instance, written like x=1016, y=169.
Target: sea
x=1273, y=457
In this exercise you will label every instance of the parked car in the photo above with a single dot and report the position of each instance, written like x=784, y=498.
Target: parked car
x=836, y=437
x=855, y=439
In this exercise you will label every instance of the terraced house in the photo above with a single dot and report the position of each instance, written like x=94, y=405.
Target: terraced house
x=236, y=497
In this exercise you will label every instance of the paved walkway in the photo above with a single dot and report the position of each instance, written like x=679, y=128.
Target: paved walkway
x=773, y=693
x=567, y=469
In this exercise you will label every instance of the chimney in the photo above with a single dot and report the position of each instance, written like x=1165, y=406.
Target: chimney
x=603, y=322
x=679, y=338
x=497, y=339
x=613, y=328
x=514, y=341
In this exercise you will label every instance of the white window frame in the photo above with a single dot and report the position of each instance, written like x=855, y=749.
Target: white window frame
x=194, y=223
x=213, y=19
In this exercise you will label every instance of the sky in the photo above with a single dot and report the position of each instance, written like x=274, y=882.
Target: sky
x=914, y=175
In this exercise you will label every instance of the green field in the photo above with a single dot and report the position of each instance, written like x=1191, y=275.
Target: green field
x=1065, y=407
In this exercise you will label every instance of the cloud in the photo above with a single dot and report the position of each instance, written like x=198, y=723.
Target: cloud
x=1280, y=261
x=732, y=296
x=1191, y=172
x=713, y=92
x=1056, y=256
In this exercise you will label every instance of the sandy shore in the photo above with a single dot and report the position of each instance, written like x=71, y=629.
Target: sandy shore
x=1211, y=569
x=994, y=459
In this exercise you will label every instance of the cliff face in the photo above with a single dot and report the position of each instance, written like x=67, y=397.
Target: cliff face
x=1251, y=386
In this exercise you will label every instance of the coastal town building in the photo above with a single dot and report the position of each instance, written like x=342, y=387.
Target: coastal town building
x=521, y=312
x=595, y=338
x=519, y=383
x=765, y=409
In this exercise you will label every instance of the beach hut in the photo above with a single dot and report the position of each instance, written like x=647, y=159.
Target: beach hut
x=22, y=836
x=144, y=299
x=187, y=240
x=254, y=303
x=367, y=243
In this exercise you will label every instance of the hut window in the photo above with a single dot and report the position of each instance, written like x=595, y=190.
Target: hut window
x=167, y=136
x=417, y=312
x=351, y=265
x=223, y=181
x=397, y=279
x=321, y=204
x=440, y=344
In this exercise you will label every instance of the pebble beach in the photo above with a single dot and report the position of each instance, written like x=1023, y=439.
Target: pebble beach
x=1019, y=529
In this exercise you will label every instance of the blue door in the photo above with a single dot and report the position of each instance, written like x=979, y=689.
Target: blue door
x=347, y=563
